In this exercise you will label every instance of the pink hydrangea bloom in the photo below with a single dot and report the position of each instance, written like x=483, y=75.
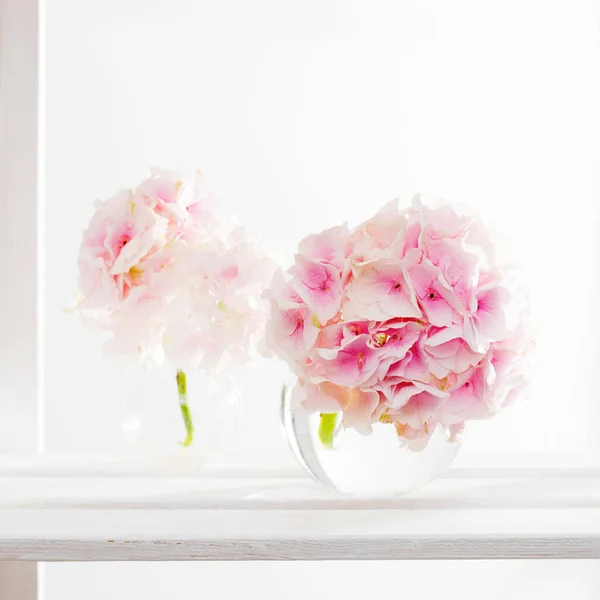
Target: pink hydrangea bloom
x=170, y=277
x=409, y=320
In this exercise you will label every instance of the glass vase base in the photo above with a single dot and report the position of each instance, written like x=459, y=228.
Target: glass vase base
x=369, y=466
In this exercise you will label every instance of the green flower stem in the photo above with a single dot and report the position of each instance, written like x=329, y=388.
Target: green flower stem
x=327, y=429
x=185, y=409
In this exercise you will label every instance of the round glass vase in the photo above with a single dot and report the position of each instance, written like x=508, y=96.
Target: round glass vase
x=350, y=463
x=173, y=419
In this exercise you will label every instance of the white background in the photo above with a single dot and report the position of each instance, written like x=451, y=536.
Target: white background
x=302, y=115
x=305, y=114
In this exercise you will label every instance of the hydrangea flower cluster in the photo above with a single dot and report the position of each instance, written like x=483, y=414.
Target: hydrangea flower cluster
x=172, y=280
x=412, y=319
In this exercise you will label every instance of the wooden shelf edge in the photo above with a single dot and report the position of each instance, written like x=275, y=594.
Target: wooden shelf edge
x=484, y=548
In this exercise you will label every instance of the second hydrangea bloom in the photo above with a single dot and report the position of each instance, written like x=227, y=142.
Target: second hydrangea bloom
x=173, y=280
x=172, y=277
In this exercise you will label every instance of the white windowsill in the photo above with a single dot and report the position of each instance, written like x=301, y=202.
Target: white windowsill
x=61, y=509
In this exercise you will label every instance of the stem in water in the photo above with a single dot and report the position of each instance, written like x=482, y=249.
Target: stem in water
x=327, y=429
x=185, y=409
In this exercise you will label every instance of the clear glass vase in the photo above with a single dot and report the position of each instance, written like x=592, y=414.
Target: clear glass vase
x=373, y=465
x=180, y=420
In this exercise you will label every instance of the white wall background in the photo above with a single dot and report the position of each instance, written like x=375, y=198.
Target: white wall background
x=304, y=114
x=454, y=580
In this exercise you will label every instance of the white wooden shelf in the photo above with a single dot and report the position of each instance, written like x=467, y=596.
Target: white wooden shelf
x=61, y=511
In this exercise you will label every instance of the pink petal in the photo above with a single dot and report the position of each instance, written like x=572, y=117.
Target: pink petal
x=351, y=365
x=432, y=294
x=318, y=285
x=329, y=246
x=384, y=282
x=420, y=409
x=359, y=408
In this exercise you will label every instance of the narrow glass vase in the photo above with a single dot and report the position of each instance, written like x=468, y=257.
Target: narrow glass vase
x=180, y=419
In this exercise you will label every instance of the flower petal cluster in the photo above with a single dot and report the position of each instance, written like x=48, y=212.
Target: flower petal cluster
x=411, y=319
x=171, y=277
